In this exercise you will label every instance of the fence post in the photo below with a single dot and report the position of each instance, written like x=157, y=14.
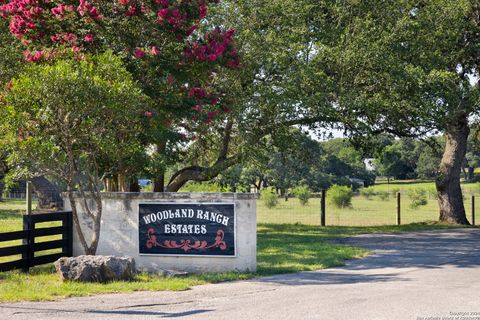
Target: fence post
x=28, y=226
x=29, y=197
x=399, y=220
x=67, y=235
x=322, y=208
x=473, y=210
x=28, y=254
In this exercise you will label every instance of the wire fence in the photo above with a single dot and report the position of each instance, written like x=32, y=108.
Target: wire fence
x=371, y=209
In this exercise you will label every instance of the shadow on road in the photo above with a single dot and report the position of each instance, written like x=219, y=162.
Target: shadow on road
x=319, y=278
x=26, y=310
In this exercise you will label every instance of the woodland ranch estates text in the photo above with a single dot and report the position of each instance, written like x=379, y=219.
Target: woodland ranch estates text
x=173, y=228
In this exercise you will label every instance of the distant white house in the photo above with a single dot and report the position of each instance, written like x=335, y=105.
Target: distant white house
x=369, y=165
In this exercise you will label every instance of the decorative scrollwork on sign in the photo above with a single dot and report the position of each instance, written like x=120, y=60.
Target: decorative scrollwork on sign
x=186, y=244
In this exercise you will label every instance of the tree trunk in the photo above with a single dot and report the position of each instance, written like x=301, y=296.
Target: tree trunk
x=2, y=184
x=134, y=186
x=1, y=187
x=111, y=184
x=159, y=178
x=471, y=173
x=78, y=227
x=450, y=197
x=159, y=183
x=196, y=173
x=47, y=193
x=3, y=172
x=123, y=185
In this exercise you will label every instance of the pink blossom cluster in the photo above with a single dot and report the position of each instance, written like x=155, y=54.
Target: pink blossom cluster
x=206, y=105
x=139, y=53
x=198, y=93
x=132, y=8
x=60, y=10
x=64, y=38
x=179, y=17
x=201, y=94
x=56, y=28
x=34, y=56
x=29, y=19
x=176, y=15
x=85, y=8
x=32, y=20
x=24, y=14
x=217, y=44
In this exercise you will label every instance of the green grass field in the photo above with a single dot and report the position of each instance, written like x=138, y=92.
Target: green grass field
x=366, y=210
x=282, y=247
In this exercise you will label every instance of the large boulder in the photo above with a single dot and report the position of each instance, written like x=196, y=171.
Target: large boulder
x=95, y=268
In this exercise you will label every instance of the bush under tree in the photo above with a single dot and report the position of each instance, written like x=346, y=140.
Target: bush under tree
x=418, y=198
x=302, y=192
x=269, y=197
x=340, y=196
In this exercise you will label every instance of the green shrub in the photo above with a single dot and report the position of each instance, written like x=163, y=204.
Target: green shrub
x=340, y=196
x=366, y=193
x=269, y=197
x=302, y=193
x=418, y=197
x=394, y=191
x=383, y=195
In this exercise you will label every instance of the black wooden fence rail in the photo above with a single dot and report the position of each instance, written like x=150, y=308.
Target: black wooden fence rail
x=29, y=247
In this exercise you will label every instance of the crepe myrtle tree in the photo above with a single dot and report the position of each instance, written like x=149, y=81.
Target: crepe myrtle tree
x=68, y=120
x=164, y=44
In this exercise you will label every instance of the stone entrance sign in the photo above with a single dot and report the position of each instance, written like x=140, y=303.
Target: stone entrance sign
x=193, y=232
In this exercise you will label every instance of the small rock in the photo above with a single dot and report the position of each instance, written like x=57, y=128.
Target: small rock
x=95, y=268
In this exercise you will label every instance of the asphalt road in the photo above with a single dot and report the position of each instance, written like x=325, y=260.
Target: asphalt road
x=424, y=275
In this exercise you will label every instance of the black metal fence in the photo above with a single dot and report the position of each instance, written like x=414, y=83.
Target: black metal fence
x=30, y=246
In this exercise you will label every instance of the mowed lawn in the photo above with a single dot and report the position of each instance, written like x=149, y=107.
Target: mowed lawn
x=281, y=248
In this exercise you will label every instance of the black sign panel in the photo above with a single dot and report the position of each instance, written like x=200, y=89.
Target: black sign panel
x=203, y=229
